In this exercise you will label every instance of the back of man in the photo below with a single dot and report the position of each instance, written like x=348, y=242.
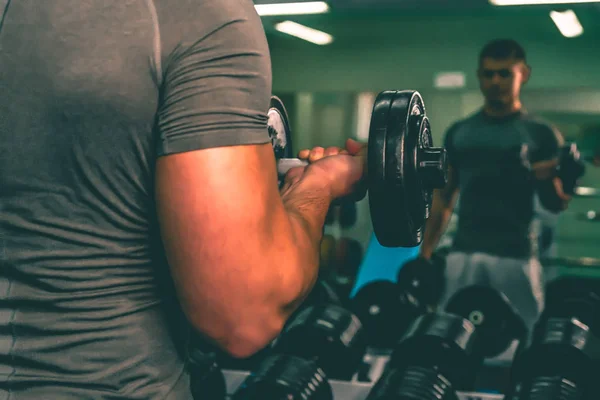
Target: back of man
x=87, y=309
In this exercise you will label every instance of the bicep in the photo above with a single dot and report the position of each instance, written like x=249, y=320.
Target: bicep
x=215, y=175
x=212, y=206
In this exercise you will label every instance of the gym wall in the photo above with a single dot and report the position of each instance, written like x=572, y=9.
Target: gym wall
x=329, y=89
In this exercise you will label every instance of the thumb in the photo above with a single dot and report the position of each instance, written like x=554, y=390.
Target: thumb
x=354, y=147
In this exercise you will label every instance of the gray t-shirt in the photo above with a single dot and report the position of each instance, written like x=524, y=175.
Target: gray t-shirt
x=496, y=191
x=91, y=93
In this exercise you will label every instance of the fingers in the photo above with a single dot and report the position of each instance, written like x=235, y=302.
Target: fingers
x=317, y=153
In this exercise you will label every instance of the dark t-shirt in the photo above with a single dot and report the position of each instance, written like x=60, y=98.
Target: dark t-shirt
x=91, y=93
x=496, y=191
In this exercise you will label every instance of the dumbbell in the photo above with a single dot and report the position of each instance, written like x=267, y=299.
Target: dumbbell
x=386, y=308
x=561, y=359
x=322, y=342
x=403, y=166
x=489, y=310
x=570, y=167
x=437, y=355
x=424, y=279
x=206, y=377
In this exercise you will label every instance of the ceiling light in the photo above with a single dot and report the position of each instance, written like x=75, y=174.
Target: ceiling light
x=304, y=32
x=311, y=7
x=530, y=2
x=567, y=23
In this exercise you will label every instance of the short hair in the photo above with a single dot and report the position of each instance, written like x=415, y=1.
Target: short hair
x=502, y=49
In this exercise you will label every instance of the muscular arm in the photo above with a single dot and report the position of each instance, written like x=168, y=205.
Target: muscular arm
x=242, y=257
x=442, y=207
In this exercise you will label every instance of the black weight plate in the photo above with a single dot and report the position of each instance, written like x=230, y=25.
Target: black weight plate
x=496, y=321
x=392, y=157
x=384, y=312
x=443, y=341
x=573, y=297
x=279, y=130
x=285, y=377
x=382, y=202
x=412, y=383
x=328, y=334
x=563, y=348
x=424, y=280
x=206, y=378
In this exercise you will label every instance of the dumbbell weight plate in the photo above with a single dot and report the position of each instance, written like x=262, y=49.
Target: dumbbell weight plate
x=561, y=357
x=384, y=312
x=329, y=335
x=279, y=130
x=403, y=168
x=444, y=342
x=423, y=280
x=206, y=378
x=285, y=377
x=496, y=321
x=573, y=297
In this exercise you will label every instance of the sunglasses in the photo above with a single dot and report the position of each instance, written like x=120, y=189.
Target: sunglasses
x=502, y=73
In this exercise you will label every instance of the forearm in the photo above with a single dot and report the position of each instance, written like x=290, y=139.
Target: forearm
x=437, y=223
x=306, y=203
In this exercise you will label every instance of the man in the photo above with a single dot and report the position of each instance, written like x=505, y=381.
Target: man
x=118, y=117
x=492, y=243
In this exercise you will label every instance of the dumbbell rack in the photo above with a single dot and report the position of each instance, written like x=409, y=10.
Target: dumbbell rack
x=358, y=390
x=347, y=390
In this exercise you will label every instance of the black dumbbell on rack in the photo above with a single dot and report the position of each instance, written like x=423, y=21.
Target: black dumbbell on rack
x=322, y=342
x=490, y=311
x=437, y=355
x=561, y=359
x=387, y=308
x=442, y=352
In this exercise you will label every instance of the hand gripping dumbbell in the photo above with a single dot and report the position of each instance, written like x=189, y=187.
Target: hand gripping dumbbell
x=387, y=308
x=570, y=167
x=561, y=359
x=437, y=355
x=403, y=166
x=322, y=342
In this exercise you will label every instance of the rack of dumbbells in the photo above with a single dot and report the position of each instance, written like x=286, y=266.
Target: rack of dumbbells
x=327, y=353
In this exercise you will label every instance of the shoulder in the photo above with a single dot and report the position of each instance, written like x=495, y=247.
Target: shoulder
x=541, y=130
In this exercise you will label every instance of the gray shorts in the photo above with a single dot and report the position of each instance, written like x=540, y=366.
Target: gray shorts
x=521, y=280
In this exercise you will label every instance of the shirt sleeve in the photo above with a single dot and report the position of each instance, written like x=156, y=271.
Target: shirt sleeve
x=216, y=83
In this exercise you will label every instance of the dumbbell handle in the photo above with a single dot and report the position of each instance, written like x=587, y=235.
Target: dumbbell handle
x=285, y=164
